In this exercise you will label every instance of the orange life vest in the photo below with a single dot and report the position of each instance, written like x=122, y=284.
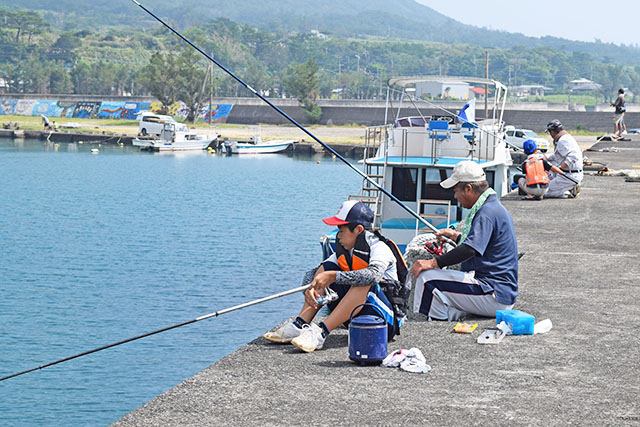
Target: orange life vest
x=534, y=168
x=360, y=257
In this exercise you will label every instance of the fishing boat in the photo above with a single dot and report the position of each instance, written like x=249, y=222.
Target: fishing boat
x=255, y=145
x=410, y=156
x=172, y=139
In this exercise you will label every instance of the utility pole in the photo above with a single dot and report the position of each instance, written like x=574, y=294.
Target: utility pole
x=486, y=87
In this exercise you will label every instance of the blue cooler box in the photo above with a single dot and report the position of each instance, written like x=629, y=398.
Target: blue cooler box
x=520, y=322
x=367, y=338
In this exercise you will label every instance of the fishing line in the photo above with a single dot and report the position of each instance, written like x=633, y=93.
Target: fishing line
x=295, y=123
x=178, y=325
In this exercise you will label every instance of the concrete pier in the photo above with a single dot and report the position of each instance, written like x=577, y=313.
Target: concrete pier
x=581, y=269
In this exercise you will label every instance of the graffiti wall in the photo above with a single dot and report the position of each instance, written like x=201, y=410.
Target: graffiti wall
x=8, y=106
x=122, y=110
x=107, y=110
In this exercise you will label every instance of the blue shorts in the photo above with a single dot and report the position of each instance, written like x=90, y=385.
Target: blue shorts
x=375, y=297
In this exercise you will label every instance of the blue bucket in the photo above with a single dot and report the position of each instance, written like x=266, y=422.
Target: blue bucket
x=367, y=337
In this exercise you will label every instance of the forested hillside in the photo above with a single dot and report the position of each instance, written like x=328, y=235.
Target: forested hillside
x=388, y=19
x=37, y=56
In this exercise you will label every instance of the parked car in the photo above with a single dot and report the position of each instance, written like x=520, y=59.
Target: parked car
x=152, y=124
x=517, y=137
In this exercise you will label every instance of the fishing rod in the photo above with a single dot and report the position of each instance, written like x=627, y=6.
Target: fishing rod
x=569, y=178
x=178, y=325
x=298, y=125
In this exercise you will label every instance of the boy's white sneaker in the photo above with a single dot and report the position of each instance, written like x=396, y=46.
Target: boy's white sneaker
x=310, y=339
x=284, y=334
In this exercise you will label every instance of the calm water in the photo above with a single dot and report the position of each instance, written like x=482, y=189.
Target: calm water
x=99, y=248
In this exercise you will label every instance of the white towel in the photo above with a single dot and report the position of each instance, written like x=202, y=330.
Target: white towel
x=411, y=360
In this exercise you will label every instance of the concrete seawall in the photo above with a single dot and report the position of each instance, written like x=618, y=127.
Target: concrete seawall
x=531, y=115
x=580, y=269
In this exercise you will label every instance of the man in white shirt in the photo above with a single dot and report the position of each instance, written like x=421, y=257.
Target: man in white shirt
x=568, y=157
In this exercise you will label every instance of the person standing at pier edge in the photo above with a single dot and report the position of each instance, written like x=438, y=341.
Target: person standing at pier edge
x=568, y=157
x=618, y=115
x=361, y=261
x=487, y=248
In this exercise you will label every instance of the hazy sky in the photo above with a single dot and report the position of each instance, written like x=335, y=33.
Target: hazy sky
x=610, y=21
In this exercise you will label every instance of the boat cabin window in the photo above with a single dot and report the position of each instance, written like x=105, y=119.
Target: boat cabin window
x=411, y=122
x=431, y=188
x=404, y=184
x=491, y=178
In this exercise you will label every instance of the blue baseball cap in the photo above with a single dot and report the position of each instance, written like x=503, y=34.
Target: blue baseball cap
x=529, y=146
x=352, y=212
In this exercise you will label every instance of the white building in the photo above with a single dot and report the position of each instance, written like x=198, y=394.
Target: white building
x=584, y=84
x=523, y=91
x=444, y=90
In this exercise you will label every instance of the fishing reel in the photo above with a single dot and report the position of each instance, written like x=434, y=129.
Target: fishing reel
x=434, y=248
x=328, y=297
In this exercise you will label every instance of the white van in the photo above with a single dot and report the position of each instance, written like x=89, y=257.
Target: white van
x=152, y=124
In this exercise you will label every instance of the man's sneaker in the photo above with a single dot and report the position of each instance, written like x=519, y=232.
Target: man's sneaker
x=310, y=339
x=573, y=193
x=285, y=333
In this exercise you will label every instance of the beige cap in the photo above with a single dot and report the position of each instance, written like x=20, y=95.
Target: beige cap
x=465, y=171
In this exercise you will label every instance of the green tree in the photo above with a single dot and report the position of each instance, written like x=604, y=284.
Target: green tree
x=634, y=82
x=81, y=78
x=36, y=74
x=60, y=80
x=302, y=83
x=159, y=77
x=24, y=22
x=172, y=78
x=190, y=82
x=611, y=78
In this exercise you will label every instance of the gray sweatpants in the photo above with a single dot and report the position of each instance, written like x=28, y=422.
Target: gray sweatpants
x=558, y=184
x=451, y=294
x=538, y=190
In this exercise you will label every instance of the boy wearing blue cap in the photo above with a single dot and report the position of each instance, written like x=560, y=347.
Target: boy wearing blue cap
x=360, y=262
x=535, y=182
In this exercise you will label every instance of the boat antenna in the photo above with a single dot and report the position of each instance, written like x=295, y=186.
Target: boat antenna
x=178, y=325
x=298, y=125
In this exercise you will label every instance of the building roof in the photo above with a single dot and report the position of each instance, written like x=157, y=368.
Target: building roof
x=478, y=90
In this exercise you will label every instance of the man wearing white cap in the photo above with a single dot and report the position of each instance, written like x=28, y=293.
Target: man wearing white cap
x=360, y=262
x=487, y=248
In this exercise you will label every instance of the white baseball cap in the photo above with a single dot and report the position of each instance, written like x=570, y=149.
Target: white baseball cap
x=465, y=171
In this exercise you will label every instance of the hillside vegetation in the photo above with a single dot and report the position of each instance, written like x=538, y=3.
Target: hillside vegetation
x=389, y=19
x=48, y=51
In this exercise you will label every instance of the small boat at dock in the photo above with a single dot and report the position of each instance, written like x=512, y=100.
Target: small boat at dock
x=172, y=139
x=255, y=145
